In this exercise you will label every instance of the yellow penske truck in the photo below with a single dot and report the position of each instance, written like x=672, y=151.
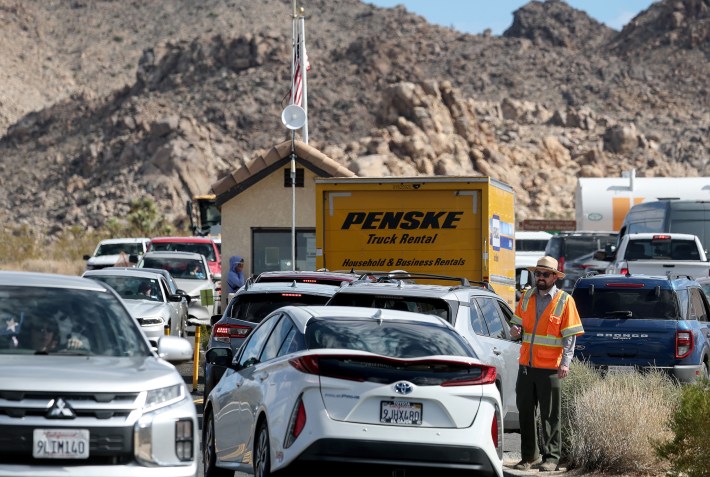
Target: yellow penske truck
x=455, y=226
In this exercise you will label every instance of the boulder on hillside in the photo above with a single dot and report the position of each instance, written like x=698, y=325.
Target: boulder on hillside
x=679, y=23
x=555, y=23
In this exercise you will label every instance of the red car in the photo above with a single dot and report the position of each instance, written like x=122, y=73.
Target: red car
x=202, y=245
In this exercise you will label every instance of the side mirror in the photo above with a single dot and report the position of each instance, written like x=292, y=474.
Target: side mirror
x=524, y=279
x=219, y=356
x=176, y=298
x=174, y=349
x=133, y=258
x=214, y=319
x=184, y=295
x=86, y=257
x=600, y=255
x=217, y=277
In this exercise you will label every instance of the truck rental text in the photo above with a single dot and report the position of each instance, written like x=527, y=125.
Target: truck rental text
x=456, y=226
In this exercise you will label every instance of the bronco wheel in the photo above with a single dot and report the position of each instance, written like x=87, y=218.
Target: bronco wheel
x=209, y=457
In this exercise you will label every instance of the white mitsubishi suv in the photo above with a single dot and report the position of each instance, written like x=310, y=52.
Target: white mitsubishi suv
x=82, y=392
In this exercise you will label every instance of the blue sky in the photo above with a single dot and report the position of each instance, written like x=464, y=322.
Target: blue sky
x=474, y=16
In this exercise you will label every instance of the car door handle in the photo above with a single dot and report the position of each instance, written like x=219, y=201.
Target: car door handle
x=262, y=376
x=496, y=351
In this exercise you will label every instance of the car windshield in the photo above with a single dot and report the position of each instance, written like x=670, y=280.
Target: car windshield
x=205, y=249
x=255, y=307
x=417, y=304
x=132, y=288
x=117, y=248
x=636, y=303
x=398, y=339
x=44, y=320
x=663, y=249
x=530, y=245
x=582, y=245
x=179, y=268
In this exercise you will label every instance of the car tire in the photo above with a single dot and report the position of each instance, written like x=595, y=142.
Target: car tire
x=262, y=452
x=209, y=457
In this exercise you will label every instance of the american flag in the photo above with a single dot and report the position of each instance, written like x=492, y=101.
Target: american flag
x=296, y=93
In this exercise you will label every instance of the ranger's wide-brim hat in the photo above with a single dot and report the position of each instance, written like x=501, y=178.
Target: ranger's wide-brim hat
x=547, y=264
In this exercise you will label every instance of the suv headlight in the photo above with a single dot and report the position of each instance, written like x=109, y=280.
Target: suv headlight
x=157, y=429
x=162, y=397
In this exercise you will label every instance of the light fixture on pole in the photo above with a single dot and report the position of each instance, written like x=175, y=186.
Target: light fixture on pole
x=293, y=116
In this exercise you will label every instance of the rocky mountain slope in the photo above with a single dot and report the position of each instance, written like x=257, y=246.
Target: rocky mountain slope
x=104, y=101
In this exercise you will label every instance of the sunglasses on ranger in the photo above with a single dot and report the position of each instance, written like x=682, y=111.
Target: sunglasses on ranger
x=543, y=274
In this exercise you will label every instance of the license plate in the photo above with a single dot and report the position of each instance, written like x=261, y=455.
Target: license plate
x=621, y=369
x=401, y=412
x=60, y=444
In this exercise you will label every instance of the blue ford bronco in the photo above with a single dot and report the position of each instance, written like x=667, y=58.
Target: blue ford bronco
x=637, y=322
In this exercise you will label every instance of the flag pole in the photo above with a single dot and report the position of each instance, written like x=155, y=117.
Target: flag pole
x=303, y=58
x=294, y=39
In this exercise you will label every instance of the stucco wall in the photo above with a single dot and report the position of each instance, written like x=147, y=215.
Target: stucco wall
x=265, y=204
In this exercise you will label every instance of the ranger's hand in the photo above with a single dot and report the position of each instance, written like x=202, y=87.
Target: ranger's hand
x=562, y=371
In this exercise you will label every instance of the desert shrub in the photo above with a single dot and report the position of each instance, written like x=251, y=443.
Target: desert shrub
x=580, y=378
x=615, y=419
x=689, y=450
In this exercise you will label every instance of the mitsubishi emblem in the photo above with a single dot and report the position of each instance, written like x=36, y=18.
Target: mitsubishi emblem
x=60, y=409
x=403, y=387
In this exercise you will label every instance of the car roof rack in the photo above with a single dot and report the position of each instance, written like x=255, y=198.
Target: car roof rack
x=403, y=277
x=384, y=277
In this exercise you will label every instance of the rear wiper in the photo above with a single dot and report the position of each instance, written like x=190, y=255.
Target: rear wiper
x=626, y=313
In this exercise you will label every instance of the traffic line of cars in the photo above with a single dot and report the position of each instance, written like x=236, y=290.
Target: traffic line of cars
x=304, y=369
x=260, y=347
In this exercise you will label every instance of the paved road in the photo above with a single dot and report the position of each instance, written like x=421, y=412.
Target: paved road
x=511, y=441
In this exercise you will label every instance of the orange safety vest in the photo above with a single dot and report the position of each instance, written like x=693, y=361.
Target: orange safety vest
x=559, y=320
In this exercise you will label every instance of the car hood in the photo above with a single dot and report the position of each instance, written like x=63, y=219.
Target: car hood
x=140, y=308
x=193, y=287
x=86, y=373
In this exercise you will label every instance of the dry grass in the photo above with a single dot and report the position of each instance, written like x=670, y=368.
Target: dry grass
x=615, y=420
x=63, y=267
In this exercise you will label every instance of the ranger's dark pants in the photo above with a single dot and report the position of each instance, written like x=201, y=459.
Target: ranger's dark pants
x=538, y=387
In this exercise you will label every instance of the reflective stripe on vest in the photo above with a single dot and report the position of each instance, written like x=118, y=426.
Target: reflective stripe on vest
x=526, y=298
x=561, y=301
x=543, y=340
x=572, y=330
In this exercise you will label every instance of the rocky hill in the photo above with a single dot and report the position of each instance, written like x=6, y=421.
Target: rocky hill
x=104, y=101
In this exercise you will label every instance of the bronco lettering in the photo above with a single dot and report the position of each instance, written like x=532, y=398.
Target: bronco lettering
x=410, y=220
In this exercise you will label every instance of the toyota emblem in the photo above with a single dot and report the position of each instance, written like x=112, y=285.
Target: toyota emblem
x=403, y=388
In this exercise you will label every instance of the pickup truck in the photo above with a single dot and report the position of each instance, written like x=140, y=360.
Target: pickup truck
x=668, y=254
x=639, y=322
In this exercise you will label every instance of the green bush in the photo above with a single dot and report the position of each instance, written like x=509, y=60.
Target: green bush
x=689, y=450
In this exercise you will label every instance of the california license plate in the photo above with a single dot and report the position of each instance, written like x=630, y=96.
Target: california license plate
x=401, y=412
x=60, y=444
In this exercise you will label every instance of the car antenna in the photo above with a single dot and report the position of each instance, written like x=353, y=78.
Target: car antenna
x=378, y=316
